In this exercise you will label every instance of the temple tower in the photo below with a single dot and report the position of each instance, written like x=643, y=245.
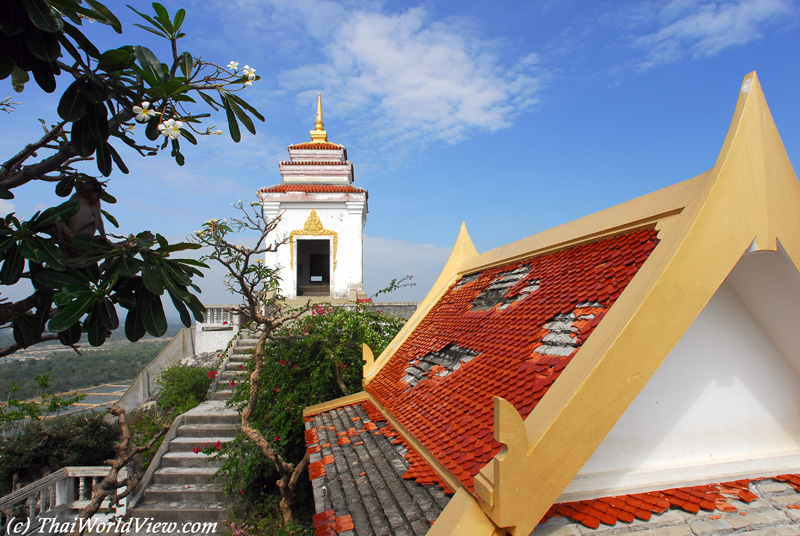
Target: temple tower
x=322, y=216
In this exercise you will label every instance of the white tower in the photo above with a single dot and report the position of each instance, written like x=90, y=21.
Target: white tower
x=322, y=215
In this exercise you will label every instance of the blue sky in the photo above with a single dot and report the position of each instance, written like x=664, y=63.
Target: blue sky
x=511, y=116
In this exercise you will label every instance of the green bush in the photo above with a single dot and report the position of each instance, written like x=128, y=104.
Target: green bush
x=182, y=388
x=315, y=359
x=41, y=448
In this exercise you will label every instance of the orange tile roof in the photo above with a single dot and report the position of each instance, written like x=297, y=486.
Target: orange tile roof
x=316, y=145
x=314, y=163
x=314, y=188
x=692, y=499
x=525, y=321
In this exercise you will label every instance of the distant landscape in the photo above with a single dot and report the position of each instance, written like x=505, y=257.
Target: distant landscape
x=118, y=359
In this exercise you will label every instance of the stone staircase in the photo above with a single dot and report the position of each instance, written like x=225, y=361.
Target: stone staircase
x=234, y=366
x=182, y=489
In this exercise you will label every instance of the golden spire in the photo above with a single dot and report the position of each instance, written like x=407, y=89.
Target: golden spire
x=319, y=134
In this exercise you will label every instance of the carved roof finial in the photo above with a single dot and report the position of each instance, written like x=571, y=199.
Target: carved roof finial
x=319, y=134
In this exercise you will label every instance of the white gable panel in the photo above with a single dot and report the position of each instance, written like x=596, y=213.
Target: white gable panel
x=724, y=404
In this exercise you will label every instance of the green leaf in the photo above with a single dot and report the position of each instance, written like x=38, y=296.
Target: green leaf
x=44, y=76
x=176, y=152
x=54, y=257
x=71, y=335
x=152, y=313
x=209, y=100
x=43, y=16
x=30, y=251
x=149, y=62
x=65, y=186
x=25, y=330
x=180, y=246
x=115, y=60
x=82, y=42
x=111, y=219
x=62, y=212
x=182, y=311
x=19, y=78
x=98, y=122
x=175, y=85
x=162, y=16
x=186, y=61
x=72, y=105
x=82, y=140
x=104, y=158
x=5, y=193
x=243, y=117
x=244, y=104
x=233, y=126
x=108, y=198
x=58, y=280
x=72, y=312
x=105, y=15
x=108, y=315
x=159, y=33
x=118, y=160
x=152, y=278
x=43, y=45
x=151, y=130
x=134, y=327
x=12, y=266
x=189, y=136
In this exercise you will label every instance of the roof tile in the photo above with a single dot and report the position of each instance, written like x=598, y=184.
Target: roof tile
x=523, y=321
x=312, y=188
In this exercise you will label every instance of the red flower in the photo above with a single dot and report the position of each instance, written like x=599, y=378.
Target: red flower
x=197, y=450
x=212, y=373
x=277, y=438
x=276, y=389
x=240, y=367
x=283, y=362
x=233, y=383
x=225, y=323
x=218, y=445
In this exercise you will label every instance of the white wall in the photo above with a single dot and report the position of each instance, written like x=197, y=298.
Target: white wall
x=724, y=404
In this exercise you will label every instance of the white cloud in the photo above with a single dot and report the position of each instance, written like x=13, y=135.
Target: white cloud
x=704, y=29
x=386, y=259
x=409, y=78
x=6, y=207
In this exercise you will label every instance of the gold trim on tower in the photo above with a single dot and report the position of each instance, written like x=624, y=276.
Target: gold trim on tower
x=313, y=227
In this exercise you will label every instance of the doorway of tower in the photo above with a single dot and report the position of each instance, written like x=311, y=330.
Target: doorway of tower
x=314, y=267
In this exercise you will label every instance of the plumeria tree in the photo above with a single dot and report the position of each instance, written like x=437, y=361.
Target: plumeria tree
x=257, y=284
x=77, y=272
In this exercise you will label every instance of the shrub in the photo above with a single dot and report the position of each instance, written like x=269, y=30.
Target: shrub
x=42, y=448
x=182, y=388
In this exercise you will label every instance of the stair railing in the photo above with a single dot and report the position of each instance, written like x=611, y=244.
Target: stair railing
x=58, y=498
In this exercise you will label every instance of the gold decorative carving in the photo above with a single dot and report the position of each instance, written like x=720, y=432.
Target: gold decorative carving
x=313, y=227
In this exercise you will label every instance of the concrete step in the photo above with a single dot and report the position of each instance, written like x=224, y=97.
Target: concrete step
x=235, y=366
x=184, y=475
x=207, y=430
x=185, y=493
x=190, y=459
x=223, y=395
x=177, y=512
x=231, y=417
x=228, y=375
x=187, y=444
x=240, y=358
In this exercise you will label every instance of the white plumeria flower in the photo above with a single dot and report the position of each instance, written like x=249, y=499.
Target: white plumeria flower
x=249, y=72
x=171, y=128
x=217, y=132
x=233, y=66
x=144, y=113
x=248, y=83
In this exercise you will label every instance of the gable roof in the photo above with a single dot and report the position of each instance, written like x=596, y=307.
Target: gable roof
x=477, y=334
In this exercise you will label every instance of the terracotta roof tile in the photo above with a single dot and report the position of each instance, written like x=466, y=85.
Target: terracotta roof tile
x=313, y=188
x=369, y=479
x=524, y=321
x=626, y=508
x=314, y=163
x=315, y=145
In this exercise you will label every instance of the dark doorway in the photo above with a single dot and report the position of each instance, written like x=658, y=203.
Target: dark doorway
x=313, y=267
